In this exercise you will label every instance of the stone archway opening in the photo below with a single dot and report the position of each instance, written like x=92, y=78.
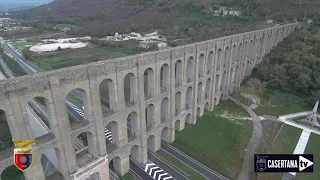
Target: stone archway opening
x=188, y=119
x=111, y=133
x=77, y=106
x=178, y=73
x=115, y=165
x=234, y=48
x=190, y=69
x=201, y=65
x=164, y=110
x=236, y=77
x=208, y=87
x=210, y=63
x=130, y=92
x=223, y=81
x=198, y=113
x=217, y=89
x=239, y=56
x=232, y=73
x=39, y=113
x=51, y=164
x=199, y=98
x=151, y=143
x=135, y=153
x=206, y=107
x=189, y=98
x=219, y=59
x=5, y=134
x=226, y=57
x=133, y=126
x=84, y=148
x=95, y=176
x=164, y=77
x=12, y=173
x=149, y=83
x=178, y=103
x=165, y=134
x=177, y=125
x=150, y=117
x=107, y=97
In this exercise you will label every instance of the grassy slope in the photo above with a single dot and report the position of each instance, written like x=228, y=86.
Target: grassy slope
x=285, y=143
x=278, y=102
x=11, y=173
x=206, y=141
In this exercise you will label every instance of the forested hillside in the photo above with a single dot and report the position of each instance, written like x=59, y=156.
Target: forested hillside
x=294, y=65
x=185, y=17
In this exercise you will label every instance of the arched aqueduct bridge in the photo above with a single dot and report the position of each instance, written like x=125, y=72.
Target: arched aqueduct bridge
x=148, y=96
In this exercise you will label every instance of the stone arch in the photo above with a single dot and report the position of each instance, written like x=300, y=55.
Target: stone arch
x=190, y=69
x=199, y=92
x=95, y=176
x=151, y=143
x=111, y=132
x=188, y=118
x=226, y=57
x=206, y=107
x=130, y=92
x=201, y=65
x=40, y=116
x=150, y=117
x=133, y=125
x=178, y=125
x=232, y=73
x=115, y=165
x=5, y=132
x=107, y=97
x=234, y=56
x=223, y=81
x=178, y=73
x=217, y=89
x=189, y=98
x=198, y=112
x=12, y=173
x=164, y=77
x=51, y=163
x=208, y=87
x=135, y=153
x=84, y=148
x=240, y=49
x=178, y=102
x=164, y=110
x=210, y=62
x=215, y=102
x=165, y=135
x=219, y=59
x=149, y=86
x=77, y=101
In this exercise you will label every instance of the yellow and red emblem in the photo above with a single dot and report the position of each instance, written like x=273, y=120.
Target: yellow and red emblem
x=23, y=154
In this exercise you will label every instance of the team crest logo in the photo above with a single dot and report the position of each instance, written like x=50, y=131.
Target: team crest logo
x=261, y=164
x=23, y=154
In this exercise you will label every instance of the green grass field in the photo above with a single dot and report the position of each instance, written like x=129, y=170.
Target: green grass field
x=14, y=66
x=127, y=176
x=12, y=173
x=193, y=175
x=278, y=102
x=21, y=45
x=218, y=139
x=313, y=147
x=273, y=142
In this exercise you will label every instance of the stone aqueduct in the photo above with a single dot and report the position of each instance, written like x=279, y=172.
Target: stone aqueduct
x=183, y=82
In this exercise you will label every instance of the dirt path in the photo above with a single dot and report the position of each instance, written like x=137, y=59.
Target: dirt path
x=247, y=165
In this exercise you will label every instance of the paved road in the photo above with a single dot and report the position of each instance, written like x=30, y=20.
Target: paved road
x=247, y=165
x=192, y=163
x=170, y=170
x=139, y=171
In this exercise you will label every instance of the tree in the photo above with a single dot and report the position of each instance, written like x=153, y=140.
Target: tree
x=59, y=48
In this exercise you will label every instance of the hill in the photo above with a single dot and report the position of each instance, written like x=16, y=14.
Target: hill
x=103, y=17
